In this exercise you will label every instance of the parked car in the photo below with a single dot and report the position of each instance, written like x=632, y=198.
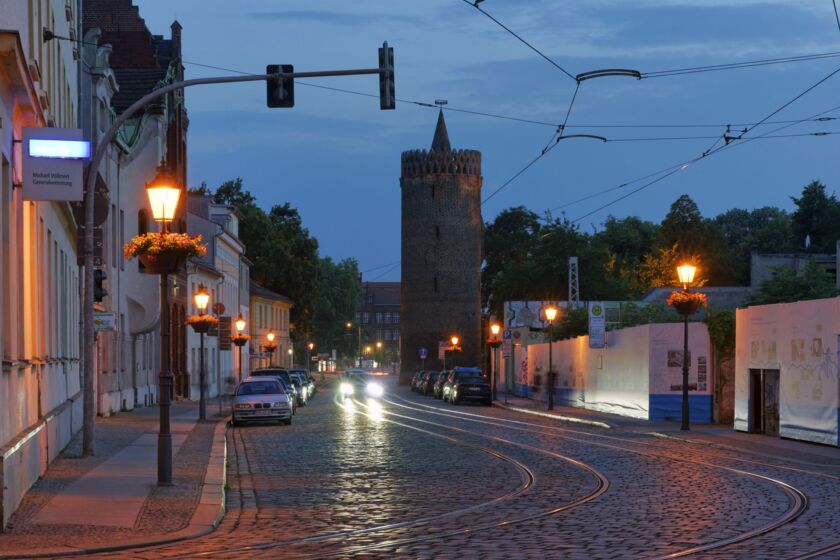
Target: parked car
x=415, y=380
x=454, y=376
x=427, y=383
x=281, y=375
x=306, y=380
x=260, y=399
x=437, y=388
x=300, y=387
x=470, y=387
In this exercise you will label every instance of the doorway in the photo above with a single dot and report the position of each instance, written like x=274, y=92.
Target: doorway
x=764, y=401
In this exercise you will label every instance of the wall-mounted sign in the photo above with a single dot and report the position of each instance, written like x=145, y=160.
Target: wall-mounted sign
x=224, y=332
x=53, y=163
x=104, y=321
x=597, y=325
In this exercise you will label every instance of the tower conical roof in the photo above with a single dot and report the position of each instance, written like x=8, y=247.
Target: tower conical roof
x=440, y=143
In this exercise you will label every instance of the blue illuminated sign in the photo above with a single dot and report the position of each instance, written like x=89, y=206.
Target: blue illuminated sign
x=61, y=149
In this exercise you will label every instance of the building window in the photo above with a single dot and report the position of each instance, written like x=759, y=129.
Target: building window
x=378, y=317
x=357, y=317
x=365, y=317
x=387, y=317
x=396, y=317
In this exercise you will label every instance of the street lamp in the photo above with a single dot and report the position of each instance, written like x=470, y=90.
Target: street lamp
x=454, y=340
x=550, y=315
x=379, y=353
x=359, y=327
x=240, y=338
x=163, y=193
x=495, y=342
x=270, y=347
x=202, y=298
x=311, y=347
x=686, y=272
x=291, y=354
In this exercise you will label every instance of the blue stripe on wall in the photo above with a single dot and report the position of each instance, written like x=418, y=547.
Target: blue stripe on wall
x=669, y=407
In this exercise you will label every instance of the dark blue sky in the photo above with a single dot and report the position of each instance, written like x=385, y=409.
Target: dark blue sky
x=336, y=156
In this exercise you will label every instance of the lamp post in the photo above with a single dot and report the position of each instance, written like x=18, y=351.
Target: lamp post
x=495, y=342
x=163, y=194
x=454, y=340
x=311, y=346
x=202, y=298
x=686, y=275
x=291, y=353
x=240, y=339
x=359, y=328
x=550, y=315
x=379, y=353
x=270, y=347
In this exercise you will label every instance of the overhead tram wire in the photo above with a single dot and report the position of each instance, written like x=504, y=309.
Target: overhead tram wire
x=380, y=267
x=836, y=15
x=523, y=41
x=504, y=117
x=384, y=273
x=738, y=65
x=679, y=167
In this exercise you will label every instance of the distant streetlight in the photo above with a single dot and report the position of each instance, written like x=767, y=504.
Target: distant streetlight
x=202, y=298
x=454, y=340
x=311, y=347
x=240, y=339
x=291, y=353
x=270, y=347
x=495, y=342
x=359, y=328
x=686, y=273
x=550, y=315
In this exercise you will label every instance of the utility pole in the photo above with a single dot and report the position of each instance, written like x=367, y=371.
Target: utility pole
x=386, y=73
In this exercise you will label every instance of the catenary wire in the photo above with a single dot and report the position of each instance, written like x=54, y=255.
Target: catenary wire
x=523, y=41
x=739, y=65
x=836, y=15
x=507, y=117
x=380, y=267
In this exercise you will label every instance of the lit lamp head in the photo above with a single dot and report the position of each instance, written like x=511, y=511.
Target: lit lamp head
x=163, y=192
x=349, y=325
x=240, y=323
x=379, y=345
x=494, y=329
x=686, y=274
x=202, y=298
x=454, y=340
x=311, y=345
x=270, y=337
x=290, y=351
x=550, y=313
x=367, y=349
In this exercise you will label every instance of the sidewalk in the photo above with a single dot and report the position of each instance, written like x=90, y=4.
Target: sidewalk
x=715, y=435
x=111, y=501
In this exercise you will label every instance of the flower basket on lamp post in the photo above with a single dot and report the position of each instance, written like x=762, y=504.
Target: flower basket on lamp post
x=201, y=323
x=163, y=253
x=687, y=303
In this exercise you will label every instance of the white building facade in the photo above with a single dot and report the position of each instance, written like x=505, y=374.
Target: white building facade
x=40, y=384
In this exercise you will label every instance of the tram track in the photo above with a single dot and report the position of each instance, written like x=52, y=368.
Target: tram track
x=797, y=499
x=527, y=479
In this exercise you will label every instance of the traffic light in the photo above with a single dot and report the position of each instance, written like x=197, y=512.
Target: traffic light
x=387, y=91
x=99, y=292
x=280, y=91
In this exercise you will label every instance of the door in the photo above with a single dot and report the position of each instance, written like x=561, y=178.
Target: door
x=771, y=401
x=756, y=402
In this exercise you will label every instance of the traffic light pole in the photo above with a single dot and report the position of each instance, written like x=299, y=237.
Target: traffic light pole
x=88, y=409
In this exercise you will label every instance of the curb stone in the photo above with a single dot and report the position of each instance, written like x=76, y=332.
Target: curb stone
x=558, y=417
x=207, y=515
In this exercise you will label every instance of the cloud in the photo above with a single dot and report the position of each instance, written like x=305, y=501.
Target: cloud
x=342, y=19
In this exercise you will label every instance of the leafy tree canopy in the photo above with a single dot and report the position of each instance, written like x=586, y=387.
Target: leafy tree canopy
x=786, y=285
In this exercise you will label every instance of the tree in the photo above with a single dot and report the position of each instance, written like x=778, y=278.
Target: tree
x=787, y=285
x=508, y=240
x=817, y=217
x=619, y=250
x=284, y=255
x=338, y=302
x=763, y=230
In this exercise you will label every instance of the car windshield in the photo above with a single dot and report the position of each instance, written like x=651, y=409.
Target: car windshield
x=259, y=388
x=282, y=375
x=471, y=379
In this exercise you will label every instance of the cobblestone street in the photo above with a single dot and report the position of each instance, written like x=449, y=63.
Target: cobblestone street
x=411, y=477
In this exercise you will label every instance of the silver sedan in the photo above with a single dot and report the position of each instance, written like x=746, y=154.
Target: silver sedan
x=260, y=399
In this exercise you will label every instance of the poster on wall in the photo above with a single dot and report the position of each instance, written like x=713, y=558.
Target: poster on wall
x=597, y=325
x=526, y=314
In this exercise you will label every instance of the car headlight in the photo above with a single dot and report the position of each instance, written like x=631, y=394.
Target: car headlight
x=241, y=405
x=346, y=389
x=374, y=389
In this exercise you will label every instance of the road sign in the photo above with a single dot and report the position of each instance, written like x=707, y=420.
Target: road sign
x=424, y=353
x=224, y=332
x=219, y=308
x=507, y=334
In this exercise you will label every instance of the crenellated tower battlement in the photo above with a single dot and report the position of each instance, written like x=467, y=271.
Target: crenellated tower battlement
x=416, y=163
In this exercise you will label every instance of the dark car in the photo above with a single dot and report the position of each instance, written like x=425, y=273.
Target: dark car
x=283, y=376
x=415, y=380
x=470, y=387
x=454, y=376
x=427, y=383
x=310, y=381
x=437, y=388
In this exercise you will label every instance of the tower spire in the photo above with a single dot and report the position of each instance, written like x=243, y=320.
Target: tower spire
x=440, y=143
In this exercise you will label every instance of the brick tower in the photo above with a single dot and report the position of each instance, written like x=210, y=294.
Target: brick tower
x=442, y=236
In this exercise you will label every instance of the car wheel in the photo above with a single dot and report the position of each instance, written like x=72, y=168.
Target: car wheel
x=235, y=423
x=288, y=421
